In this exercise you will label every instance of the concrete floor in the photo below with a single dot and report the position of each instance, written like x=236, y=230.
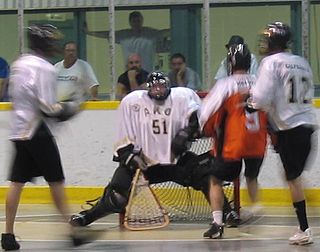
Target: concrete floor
x=39, y=228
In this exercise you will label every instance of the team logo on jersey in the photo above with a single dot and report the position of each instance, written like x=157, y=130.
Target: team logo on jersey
x=135, y=107
x=158, y=111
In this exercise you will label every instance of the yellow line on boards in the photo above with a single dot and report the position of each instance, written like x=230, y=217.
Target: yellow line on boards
x=90, y=105
x=80, y=194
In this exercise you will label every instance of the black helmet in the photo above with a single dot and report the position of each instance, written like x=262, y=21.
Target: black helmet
x=158, y=86
x=44, y=37
x=239, y=58
x=275, y=36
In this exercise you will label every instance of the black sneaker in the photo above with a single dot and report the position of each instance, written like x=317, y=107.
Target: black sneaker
x=8, y=242
x=232, y=219
x=78, y=220
x=214, y=232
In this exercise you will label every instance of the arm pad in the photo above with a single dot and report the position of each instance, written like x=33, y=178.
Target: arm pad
x=181, y=142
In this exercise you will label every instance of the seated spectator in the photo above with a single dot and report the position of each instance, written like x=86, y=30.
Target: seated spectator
x=132, y=79
x=4, y=80
x=224, y=70
x=181, y=75
x=75, y=76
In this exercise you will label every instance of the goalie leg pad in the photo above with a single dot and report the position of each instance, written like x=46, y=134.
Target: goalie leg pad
x=111, y=202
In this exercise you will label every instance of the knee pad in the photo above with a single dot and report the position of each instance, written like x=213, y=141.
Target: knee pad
x=110, y=202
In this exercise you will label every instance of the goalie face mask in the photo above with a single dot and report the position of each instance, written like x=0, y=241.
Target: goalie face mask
x=158, y=86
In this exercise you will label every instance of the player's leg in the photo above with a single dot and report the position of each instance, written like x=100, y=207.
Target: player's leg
x=46, y=156
x=294, y=150
x=21, y=172
x=252, y=170
x=221, y=171
x=113, y=200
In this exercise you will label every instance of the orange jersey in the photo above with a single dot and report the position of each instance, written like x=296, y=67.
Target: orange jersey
x=237, y=134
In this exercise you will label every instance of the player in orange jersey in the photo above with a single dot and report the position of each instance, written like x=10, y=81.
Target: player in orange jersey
x=238, y=134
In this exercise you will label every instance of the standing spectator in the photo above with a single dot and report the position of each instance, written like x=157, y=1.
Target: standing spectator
x=4, y=80
x=138, y=39
x=224, y=69
x=32, y=88
x=284, y=89
x=181, y=75
x=75, y=76
x=133, y=78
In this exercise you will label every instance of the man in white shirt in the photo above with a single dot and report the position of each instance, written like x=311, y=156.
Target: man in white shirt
x=224, y=69
x=32, y=88
x=284, y=89
x=138, y=39
x=75, y=76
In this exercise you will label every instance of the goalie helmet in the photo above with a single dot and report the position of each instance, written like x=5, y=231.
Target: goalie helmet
x=158, y=86
x=238, y=58
x=44, y=37
x=275, y=36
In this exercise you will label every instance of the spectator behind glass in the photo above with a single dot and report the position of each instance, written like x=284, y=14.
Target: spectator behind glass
x=75, y=76
x=224, y=70
x=4, y=80
x=133, y=78
x=137, y=39
x=181, y=75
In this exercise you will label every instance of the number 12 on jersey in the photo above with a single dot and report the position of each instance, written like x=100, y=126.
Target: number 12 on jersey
x=298, y=88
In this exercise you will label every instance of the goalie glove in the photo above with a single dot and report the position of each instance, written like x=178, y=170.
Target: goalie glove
x=69, y=109
x=134, y=162
x=180, y=143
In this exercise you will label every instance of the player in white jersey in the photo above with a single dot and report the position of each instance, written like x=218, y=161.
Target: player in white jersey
x=284, y=89
x=32, y=88
x=155, y=125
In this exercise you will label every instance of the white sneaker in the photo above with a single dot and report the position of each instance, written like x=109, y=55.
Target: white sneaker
x=301, y=238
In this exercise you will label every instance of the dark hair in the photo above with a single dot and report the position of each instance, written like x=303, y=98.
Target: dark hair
x=69, y=42
x=135, y=14
x=178, y=55
x=234, y=40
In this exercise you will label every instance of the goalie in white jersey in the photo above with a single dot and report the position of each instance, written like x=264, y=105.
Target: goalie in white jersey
x=284, y=89
x=155, y=125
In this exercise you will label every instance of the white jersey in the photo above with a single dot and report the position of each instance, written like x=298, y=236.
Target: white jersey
x=222, y=91
x=75, y=80
x=33, y=90
x=150, y=127
x=284, y=89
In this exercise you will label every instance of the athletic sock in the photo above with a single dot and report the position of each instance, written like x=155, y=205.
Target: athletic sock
x=217, y=217
x=300, y=208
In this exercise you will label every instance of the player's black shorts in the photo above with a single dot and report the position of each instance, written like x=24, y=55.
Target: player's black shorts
x=294, y=148
x=225, y=170
x=252, y=167
x=36, y=157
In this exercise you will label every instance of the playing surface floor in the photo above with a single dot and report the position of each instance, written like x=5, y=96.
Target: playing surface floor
x=40, y=228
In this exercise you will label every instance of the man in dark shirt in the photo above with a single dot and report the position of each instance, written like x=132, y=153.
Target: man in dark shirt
x=134, y=78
